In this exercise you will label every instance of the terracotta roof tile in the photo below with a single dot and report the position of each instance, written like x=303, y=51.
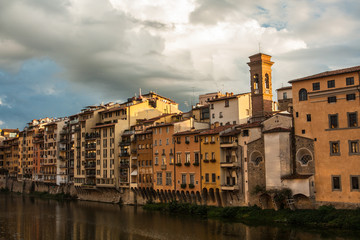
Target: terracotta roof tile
x=328, y=73
x=216, y=130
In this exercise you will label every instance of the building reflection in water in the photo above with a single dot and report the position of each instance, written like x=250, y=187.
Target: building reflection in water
x=28, y=218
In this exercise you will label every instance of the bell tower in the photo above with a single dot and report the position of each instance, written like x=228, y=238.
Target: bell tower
x=261, y=85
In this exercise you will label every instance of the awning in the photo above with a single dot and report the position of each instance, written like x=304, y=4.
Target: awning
x=134, y=173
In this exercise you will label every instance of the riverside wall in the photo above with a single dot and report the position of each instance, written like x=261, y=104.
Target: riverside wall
x=134, y=196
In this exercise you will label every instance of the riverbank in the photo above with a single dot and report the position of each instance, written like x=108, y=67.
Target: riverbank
x=324, y=217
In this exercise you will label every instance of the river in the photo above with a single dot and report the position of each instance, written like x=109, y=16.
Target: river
x=23, y=217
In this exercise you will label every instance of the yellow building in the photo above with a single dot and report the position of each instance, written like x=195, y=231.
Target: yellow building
x=326, y=109
x=210, y=163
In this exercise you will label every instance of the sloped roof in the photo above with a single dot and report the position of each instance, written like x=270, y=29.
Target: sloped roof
x=328, y=73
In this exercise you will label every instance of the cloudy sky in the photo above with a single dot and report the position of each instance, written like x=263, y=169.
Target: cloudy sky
x=59, y=56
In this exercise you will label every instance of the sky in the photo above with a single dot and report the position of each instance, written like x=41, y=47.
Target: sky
x=57, y=57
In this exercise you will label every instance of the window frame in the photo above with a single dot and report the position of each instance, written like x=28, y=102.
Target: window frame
x=332, y=99
x=337, y=120
x=316, y=86
x=332, y=183
x=351, y=183
x=331, y=83
x=303, y=95
x=350, y=97
x=332, y=153
x=356, y=119
x=350, y=81
x=350, y=147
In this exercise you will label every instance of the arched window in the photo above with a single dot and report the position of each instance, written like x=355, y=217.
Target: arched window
x=302, y=94
x=267, y=81
x=304, y=156
x=256, y=158
x=256, y=81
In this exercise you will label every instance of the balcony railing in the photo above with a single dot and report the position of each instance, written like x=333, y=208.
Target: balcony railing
x=124, y=154
x=90, y=156
x=90, y=166
x=124, y=143
x=90, y=146
x=92, y=135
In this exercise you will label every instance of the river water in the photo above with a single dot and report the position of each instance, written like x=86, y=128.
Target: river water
x=23, y=217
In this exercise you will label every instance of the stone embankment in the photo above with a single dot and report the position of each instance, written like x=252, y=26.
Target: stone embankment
x=107, y=195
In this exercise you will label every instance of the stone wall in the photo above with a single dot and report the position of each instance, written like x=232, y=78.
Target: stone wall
x=304, y=143
x=256, y=173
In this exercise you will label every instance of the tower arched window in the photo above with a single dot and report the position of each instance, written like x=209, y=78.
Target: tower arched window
x=302, y=94
x=256, y=81
x=267, y=81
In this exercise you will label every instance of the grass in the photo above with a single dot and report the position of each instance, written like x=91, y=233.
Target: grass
x=324, y=217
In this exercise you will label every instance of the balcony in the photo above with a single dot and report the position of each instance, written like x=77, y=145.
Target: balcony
x=90, y=166
x=124, y=143
x=231, y=161
x=124, y=154
x=89, y=136
x=229, y=187
x=90, y=156
x=124, y=165
x=228, y=144
x=90, y=146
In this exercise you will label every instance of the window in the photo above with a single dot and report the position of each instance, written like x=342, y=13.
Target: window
x=206, y=139
x=213, y=156
x=183, y=178
x=192, y=179
x=163, y=160
x=220, y=115
x=350, y=97
x=353, y=147
x=160, y=141
x=160, y=130
x=284, y=95
x=167, y=141
x=206, y=177
x=213, y=177
x=349, y=81
x=187, y=139
x=168, y=179
x=178, y=158
x=245, y=133
x=302, y=94
x=331, y=83
x=105, y=153
x=332, y=99
x=156, y=160
x=335, y=148
x=212, y=106
x=336, y=183
x=167, y=129
x=333, y=121
x=155, y=143
x=206, y=156
x=352, y=119
x=159, y=178
x=196, y=139
x=104, y=132
x=308, y=117
x=256, y=83
x=316, y=86
x=104, y=143
x=267, y=81
x=226, y=103
x=297, y=114
x=196, y=157
x=354, y=181
x=178, y=140
x=187, y=157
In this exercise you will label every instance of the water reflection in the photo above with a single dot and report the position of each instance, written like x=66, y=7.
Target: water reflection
x=33, y=218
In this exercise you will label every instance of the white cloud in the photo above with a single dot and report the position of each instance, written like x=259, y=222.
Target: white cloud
x=1, y=123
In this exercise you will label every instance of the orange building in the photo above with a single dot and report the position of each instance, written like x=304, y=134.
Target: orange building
x=187, y=161
x=326, y=109
x=144, y=153
x=210, y=162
